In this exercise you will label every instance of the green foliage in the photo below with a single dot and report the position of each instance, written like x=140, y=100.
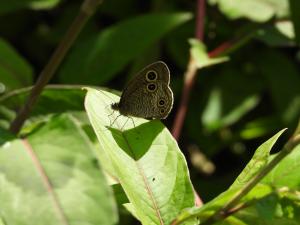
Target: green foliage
x=117, y=46
x=15, y=71
x=14, y=5
x=76, y=161
x=50, y=178
x=256, y=10
x=269, y=200
x=145, y=159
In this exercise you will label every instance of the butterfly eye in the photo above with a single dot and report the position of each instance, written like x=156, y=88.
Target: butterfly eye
x=151, y=87
x=151, y=75
x=161, y=102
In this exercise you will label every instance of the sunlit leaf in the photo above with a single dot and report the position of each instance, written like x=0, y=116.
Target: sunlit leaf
x=145, y=159
x=256, y=10
x=50, y=177
x=199, y=53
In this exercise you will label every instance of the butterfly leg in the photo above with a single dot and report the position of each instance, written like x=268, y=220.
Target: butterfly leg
x=114, y=120
x=124, y=123
x=132, y=121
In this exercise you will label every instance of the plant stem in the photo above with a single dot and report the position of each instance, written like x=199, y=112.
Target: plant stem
x=190, y=74
x=87, y=9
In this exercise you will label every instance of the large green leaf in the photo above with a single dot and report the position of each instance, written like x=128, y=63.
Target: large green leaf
x=286, y=174
x=277, y=191
x=99, y=58
x=256, y=10
x=53, y=99
x=15, y=71
x=145, y=159
x=295, y=15
x=258, y=161
x=50, y=178
x=13, y=5
x=281, y=33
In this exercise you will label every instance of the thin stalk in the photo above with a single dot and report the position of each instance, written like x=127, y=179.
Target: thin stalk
x=87, y=9
x=190, y=74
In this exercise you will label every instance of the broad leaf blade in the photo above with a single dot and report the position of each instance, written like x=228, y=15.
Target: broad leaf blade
x=50, y=178
x=13, y=5
x=255, y=10
x=282, y=183
x=295, y=15
x=258, y=161
x=100, y=58
x=145, y=159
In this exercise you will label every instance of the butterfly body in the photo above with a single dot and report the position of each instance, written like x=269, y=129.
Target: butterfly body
x=148, y=95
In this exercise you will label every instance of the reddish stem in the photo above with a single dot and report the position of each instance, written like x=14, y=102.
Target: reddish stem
x=200, y=19
x=190, y=74
x=185, y=96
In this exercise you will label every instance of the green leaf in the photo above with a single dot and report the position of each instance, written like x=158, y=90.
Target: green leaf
x=258, y=161
x=280, y=34
x=255, y=10
x=43, y=4
x=199, y=53
x=13, y=5
x=286, y=28
x=53, y=99
x=282, y=183
x=15, y=72
x=50, y=178
x=295, y=15
x=212, y=116
x=259, y=127
x=101, y=57
x=144, y=158
x=286, y=174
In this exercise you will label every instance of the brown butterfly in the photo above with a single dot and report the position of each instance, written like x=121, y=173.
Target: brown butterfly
x=148, y=95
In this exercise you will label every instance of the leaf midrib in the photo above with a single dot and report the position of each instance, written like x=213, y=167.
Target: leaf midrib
x=149, y=191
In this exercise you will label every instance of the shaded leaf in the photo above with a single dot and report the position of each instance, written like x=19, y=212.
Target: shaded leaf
x=100, y=58
x=15, y=71
x=295, y=16
x=212, y=116
x=53, y=99
x=279, y=34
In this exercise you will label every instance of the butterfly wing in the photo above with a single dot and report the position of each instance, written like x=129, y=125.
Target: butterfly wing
x=148, y=95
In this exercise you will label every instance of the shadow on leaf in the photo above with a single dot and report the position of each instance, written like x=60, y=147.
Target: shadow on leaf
x=137, y=141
